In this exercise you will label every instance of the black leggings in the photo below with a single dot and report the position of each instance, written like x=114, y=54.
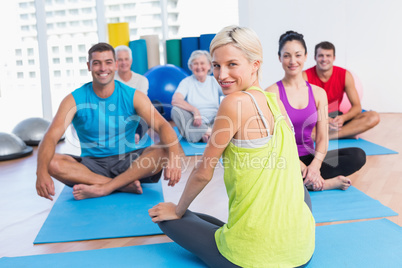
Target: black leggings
x=196, y=233
x=344, y=162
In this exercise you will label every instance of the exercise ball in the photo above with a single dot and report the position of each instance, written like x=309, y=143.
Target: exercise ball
x=31, y=130
x=12, y=147
x=345, y=105
x=163, y=82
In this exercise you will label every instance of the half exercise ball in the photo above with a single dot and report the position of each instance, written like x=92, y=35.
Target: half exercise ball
x=12, y=147
x=31, y=130
x=163, y=82
x=345, y=105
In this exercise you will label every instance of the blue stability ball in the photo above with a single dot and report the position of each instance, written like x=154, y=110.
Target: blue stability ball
x=163, y=82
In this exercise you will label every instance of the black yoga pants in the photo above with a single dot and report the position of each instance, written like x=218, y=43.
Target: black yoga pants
x=196, y=233
x=343, y=162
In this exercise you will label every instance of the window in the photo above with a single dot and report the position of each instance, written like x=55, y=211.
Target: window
x=25, y=28
x=56, y=61
x=73, y=11
x=61, y=24
x=88, y=22
x=172, y=3
x=31, y=62
x=114, y=8
x=129, y=6
x=74, y=23
x=57, y=73
x=83, y=72
x=132, y=19
x=19, y=62
x=83, y=59
x=23, y=5
x=69, y=49
x=133, y=32
x=69, y=60
x=18, y=52
x=55, y=50
x=30, y=51
x=20, y=75
x=24, y=16
x=173, y=17
x=32, y=74
x=81, y=48
x=114, y=20
x=60, y=13
x=50, y=26
x=87, y=10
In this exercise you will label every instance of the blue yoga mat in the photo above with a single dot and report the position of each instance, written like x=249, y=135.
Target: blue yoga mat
x=188, y=45
x=376, y=243
x=368, y=147
x=190, y=148
x=164, y=255
x=352, y=204
x=205, y=41
x=140, y=59
x=116, y=215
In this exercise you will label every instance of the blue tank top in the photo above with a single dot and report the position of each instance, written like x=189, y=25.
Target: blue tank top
x=304, y=120
x=107, y=126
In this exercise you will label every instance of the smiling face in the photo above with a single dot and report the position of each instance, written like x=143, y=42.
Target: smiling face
x=325, y=59
x=124, y=61
x=200, y=67
x=293, y=56
x=232, y=69
x=102, y=67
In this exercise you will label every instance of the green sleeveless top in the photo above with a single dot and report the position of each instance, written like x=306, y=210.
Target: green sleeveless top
x=269, y=223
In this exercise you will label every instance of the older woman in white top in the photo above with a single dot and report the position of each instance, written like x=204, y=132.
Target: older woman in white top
x=196, y=100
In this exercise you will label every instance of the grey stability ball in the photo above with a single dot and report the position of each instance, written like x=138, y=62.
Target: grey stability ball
x=31, y=130
x=12, y=147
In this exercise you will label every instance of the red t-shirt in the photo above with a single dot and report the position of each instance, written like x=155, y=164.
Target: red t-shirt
x=335, y=86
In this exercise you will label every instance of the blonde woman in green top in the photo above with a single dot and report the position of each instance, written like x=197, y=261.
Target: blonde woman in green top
x=270, y=222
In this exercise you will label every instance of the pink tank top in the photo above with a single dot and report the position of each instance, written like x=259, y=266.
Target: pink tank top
x=304, y=120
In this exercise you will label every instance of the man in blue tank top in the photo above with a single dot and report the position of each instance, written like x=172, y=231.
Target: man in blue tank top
x=105, y=114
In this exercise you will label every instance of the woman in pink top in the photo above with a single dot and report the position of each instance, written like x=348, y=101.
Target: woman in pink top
x=307, y=108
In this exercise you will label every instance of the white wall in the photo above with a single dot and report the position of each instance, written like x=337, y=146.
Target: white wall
x=367, y=35
x=206, y=16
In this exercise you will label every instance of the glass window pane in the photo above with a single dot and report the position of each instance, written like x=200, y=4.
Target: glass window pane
x=20, y=85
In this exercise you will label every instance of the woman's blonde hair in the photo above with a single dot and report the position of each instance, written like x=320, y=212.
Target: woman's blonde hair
x=242, y=38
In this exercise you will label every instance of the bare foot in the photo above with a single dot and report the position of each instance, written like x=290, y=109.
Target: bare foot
x=205, y=138
x=207, y=135
x=83, y=191
x=339, y=182
x=134, y=187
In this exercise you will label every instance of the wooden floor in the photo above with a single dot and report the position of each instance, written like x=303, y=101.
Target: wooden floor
x=22, y=212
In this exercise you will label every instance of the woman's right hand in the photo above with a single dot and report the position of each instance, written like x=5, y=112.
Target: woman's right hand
x=312, y=178
x=163, y=212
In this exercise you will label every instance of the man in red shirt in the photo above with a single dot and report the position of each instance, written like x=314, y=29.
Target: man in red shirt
x=335, y=81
